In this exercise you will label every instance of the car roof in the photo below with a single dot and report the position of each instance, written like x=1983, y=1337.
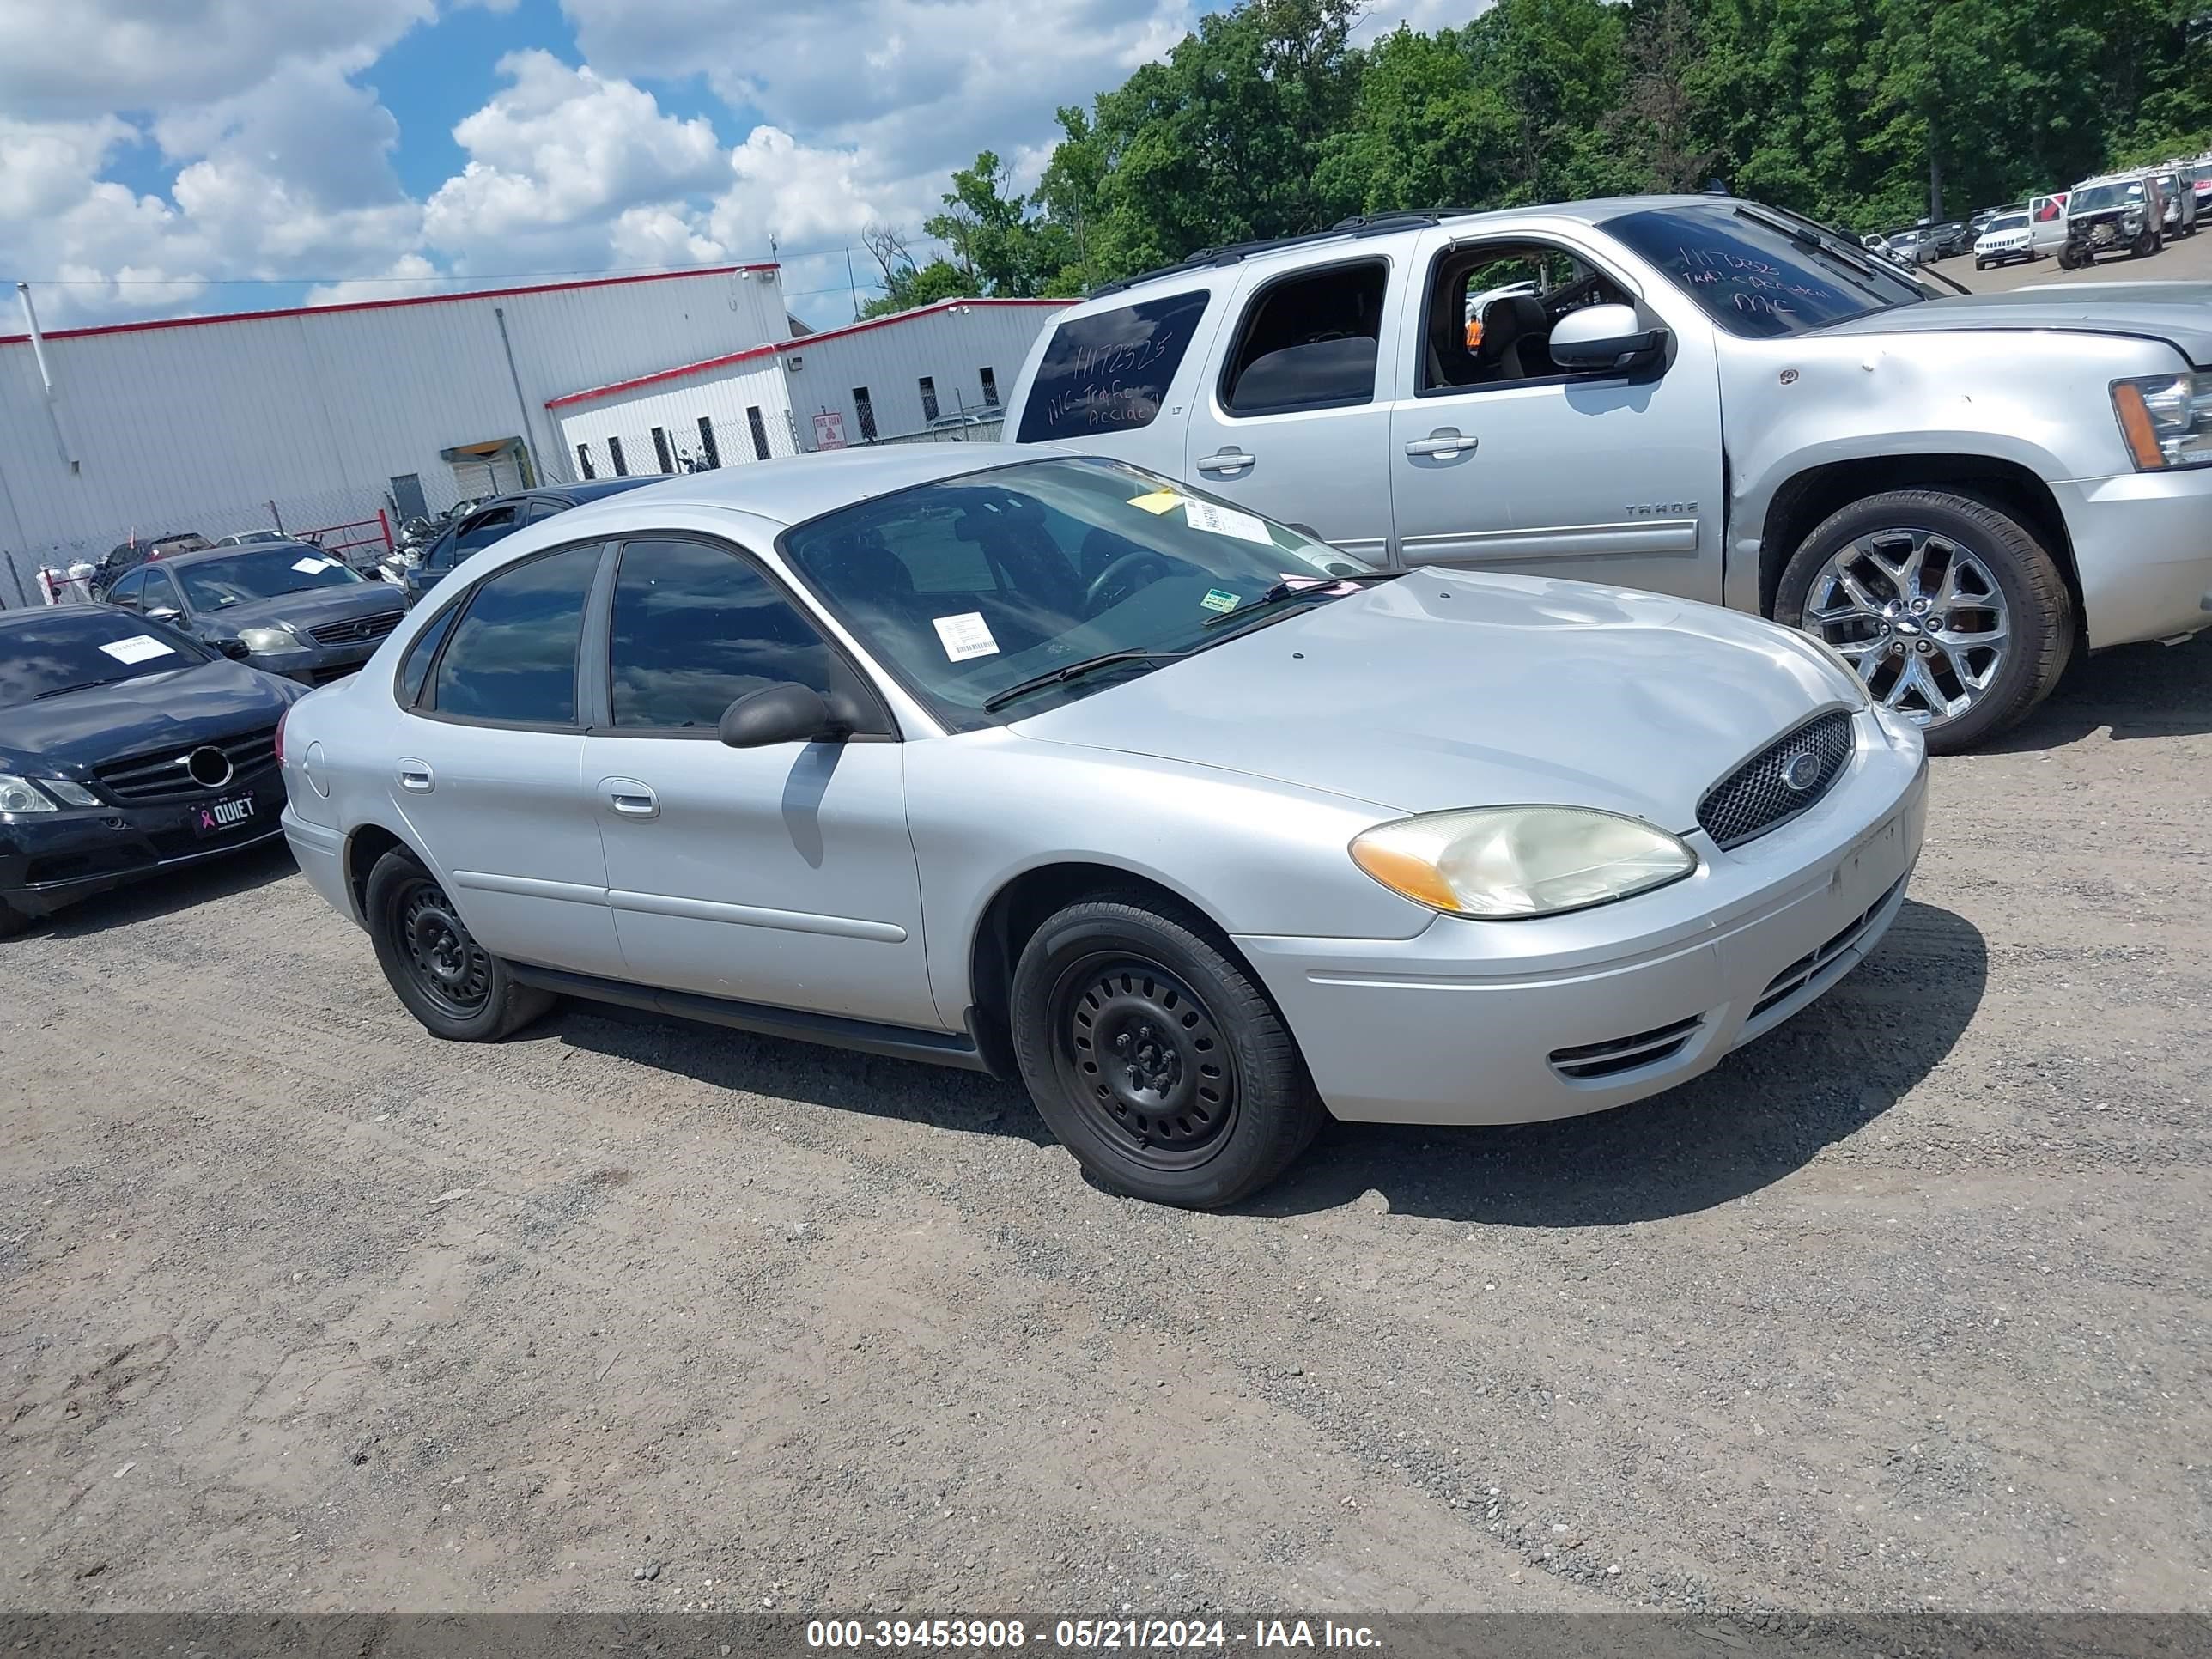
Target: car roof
x=202, y=555
x=592, y=489
x=794, y=489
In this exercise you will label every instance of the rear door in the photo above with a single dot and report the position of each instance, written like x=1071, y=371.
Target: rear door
x=488, y=769
x=1296, y=421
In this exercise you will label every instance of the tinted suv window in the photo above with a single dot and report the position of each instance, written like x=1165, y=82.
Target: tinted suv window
x=695, y=629
x=513, y=651
x=1108, y=372
x=1309, y=342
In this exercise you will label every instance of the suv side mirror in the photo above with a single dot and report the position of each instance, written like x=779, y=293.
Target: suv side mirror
x=784, y=713
x=1604, y=337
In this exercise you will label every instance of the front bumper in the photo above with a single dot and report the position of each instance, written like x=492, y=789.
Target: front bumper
x=49, y=859
x=1472, y=1023
x=319, y=665
x=2142, y=547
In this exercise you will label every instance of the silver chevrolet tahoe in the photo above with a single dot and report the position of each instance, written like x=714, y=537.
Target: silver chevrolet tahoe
x=1693, y=395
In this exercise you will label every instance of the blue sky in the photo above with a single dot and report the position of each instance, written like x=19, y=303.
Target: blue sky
x=224, y=154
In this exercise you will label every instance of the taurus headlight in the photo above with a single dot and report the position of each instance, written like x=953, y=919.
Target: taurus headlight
x=2166, y=419
x=1507, y=862
x=270, y=641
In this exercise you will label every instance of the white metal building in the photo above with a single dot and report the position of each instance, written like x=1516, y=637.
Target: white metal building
x=330, y=414
x=887, y=378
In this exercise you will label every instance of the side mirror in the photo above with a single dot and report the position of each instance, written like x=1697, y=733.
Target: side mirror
x=167, y=613
x=784, y=713
x=1604, y=337
x=234, y=649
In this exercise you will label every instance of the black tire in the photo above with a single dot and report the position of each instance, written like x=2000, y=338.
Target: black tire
x=413, y=925
x=1155, y=1058
x=2145, y=245
x=2069, y=259
x=12, y=920
x=2039, y=609
x=1981, y=264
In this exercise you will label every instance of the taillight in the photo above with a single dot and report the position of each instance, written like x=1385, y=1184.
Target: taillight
x=281, y=718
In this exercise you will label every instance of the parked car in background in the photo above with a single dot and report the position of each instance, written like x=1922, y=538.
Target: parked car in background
x=128, y=556
x=284, y=607
x=250, y=538
x=2200, y=172
x=1951, y=238
x=1048, y=766
x=2046, y=219
x=2177, y=189
x=1911, y=247
x=2008, y=237
x=2124, y=212
x=500, y=516
x=125, y=750
x=1706, y=397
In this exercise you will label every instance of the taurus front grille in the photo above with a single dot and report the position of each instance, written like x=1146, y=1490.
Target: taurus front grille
x=1778, y=783
x=357, y=628
x=167, y=773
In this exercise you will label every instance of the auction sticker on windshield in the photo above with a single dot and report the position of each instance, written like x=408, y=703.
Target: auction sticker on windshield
x=1219, y=600
x=965, y=636
x=1160, y=501
x=1226, y=522
x=139, y=647
x=311, y=567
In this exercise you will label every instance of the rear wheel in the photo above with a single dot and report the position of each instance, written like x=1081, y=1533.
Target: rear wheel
x=1154, y=1058
x=2146, y=245
x=1954, y=614
x=457, y=989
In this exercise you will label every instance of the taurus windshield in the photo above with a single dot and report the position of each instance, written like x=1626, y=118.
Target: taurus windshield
x=971, y=586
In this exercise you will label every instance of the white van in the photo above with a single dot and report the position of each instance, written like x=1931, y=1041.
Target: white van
x=2046, y=220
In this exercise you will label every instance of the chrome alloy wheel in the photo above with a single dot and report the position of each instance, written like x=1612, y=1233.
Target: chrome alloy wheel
x=1920, y=615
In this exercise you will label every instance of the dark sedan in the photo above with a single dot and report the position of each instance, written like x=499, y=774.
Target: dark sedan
x=129, y=555
x=125, y=749
x=282, y=606
x=502, y=516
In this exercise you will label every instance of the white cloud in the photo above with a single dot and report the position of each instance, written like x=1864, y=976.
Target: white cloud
x=562, y=148
x=85, y=59
x=402, y=280
x=45, y=165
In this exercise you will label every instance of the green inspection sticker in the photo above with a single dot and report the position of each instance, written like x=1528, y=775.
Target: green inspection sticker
x=1216, y=600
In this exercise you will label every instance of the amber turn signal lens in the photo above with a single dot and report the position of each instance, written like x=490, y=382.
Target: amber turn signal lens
x=2136, y=426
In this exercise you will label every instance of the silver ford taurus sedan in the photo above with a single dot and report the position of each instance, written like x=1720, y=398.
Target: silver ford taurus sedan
x=1049, y=767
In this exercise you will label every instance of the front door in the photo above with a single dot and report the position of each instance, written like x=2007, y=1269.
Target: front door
x=782, y=875
x=1500, y=461
x=486, y=771
x=1298, y=424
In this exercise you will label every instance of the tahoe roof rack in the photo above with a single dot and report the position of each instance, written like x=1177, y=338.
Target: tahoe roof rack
x=1365, y=224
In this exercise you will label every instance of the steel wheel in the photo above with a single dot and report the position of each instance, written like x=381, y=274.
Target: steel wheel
x=1919, y=614
x=449, y=967
x=1143, y=1059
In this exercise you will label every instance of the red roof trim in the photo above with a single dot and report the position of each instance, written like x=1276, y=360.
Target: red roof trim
x=803, y=342
x=381, y=305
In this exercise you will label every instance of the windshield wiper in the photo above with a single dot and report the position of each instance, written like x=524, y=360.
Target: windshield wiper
x=82, y=685
x=1304, y=588
x=1073, y=671
x=1813, y=239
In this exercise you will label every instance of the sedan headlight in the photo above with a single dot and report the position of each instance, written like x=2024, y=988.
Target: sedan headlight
x=21, y=795
x=2166, y=419
x=1507, y=862
x=270, y=641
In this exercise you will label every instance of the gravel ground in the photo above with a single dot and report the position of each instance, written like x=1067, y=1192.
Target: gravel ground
x=1902, y=1308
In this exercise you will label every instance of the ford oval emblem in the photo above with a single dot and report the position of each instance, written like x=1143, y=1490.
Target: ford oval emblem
x=1801, y=771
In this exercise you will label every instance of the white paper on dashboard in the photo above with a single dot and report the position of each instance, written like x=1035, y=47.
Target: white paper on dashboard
x=966, y=636
x=1226, y=522
x=139, y=647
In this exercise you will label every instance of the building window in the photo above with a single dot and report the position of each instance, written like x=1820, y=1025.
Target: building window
x=867, y=411
x=760, y=432
x=928, y=399
x=709, y=456
x=614, y=452
x=990, y=389
x=660, y=449
x=584, y=461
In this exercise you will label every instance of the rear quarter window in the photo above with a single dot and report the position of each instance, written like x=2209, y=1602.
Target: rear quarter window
x=1110, y=372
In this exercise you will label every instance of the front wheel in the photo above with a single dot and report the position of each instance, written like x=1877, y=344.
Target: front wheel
x=1155, y=1058
x=1954, y=613
x=2069, y=259
x=457, y=989
x=12, y=920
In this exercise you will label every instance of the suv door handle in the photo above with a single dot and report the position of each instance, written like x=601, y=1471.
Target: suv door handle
x=1444, y=440
x=1225, y=460
x=629, y=798
x=416, y=776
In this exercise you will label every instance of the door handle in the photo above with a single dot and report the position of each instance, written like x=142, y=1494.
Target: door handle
x=416, y=776
x=1444, y=440
x=629, y=798
x=1225, y=460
